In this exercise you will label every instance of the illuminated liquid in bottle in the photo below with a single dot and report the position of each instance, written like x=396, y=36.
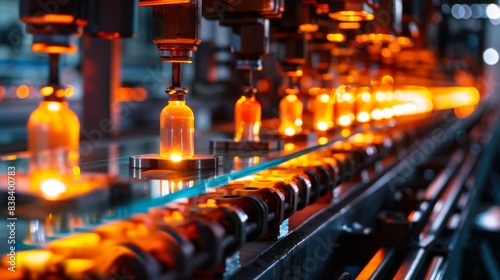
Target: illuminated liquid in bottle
x=344, y=106
x=364, y=105
x=53, y=139
x=323, y=111
x=290, y=115
x=177, y=131
x=384, y=100
x=247, y=119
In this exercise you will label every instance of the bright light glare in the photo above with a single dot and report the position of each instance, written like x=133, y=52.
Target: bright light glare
x=363, y=117
x=175, y=158
x=54, y=106
x=490, y=56
x=52, y=188
x=344, y=121
x=322, y=126
x=493, y=11
x=289, y=131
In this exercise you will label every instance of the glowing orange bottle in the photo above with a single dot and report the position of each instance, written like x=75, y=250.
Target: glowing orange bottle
x=53, y=139
x=290, y=113
x=344, y=106
x=177, y=129
x=323, y=110
x=364, y=105
x=247, y=118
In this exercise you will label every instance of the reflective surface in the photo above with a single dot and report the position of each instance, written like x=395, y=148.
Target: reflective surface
x=119, y=191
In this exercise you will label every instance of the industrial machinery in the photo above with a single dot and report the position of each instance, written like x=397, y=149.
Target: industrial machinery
x=363, y=142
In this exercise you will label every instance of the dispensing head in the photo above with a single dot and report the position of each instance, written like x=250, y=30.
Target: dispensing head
x=349, y=10
x=250, y=22
x=111, y=19
x=53, y=26
x=176, y=28
x=291, y=36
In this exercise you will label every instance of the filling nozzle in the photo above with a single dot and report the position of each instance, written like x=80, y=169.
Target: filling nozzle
x=176, y=28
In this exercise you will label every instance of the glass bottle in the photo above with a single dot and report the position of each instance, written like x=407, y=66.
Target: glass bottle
x=364, y=105
x=344, y=106
x=247, y=118
x=290, y=109
x=323, y=110
x=53, y=139
x=176, y=129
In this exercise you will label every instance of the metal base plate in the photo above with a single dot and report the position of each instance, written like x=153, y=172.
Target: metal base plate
x=155, y=161
x=229, y=144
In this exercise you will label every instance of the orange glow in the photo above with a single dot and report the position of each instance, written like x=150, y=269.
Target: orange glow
x=345, y=132
x=2, y=92
x=358, y=138
x=9, y=157
x=292, y=92
x=69, y=91
x=263, y=85
x=247, y=114
x=34, y=260
x=394, y=47
x=44, y=48
x=73, y=268
x=73, y=156
x=385, y=52
x=349, y=25
x=76, y=172
x=335, y=37
x=452, y=97
x=308, y=27
x=364, y=105
x=315, y=90
x=387, y=80
x=344, y=106
x=351, y=16
x=289, y=147
x=322, y=140
x=372, y=265
x=375, y=38
x=124, y=94
x=50, y=19
x=47, y=90
x=323, y=111
x=89, y=239
x=404, y=41
x=463, y=112
x=22, y=91
x=176, y=131
x=139, y=94
x=60, y=93
x=161, y=2
x=210, y=203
